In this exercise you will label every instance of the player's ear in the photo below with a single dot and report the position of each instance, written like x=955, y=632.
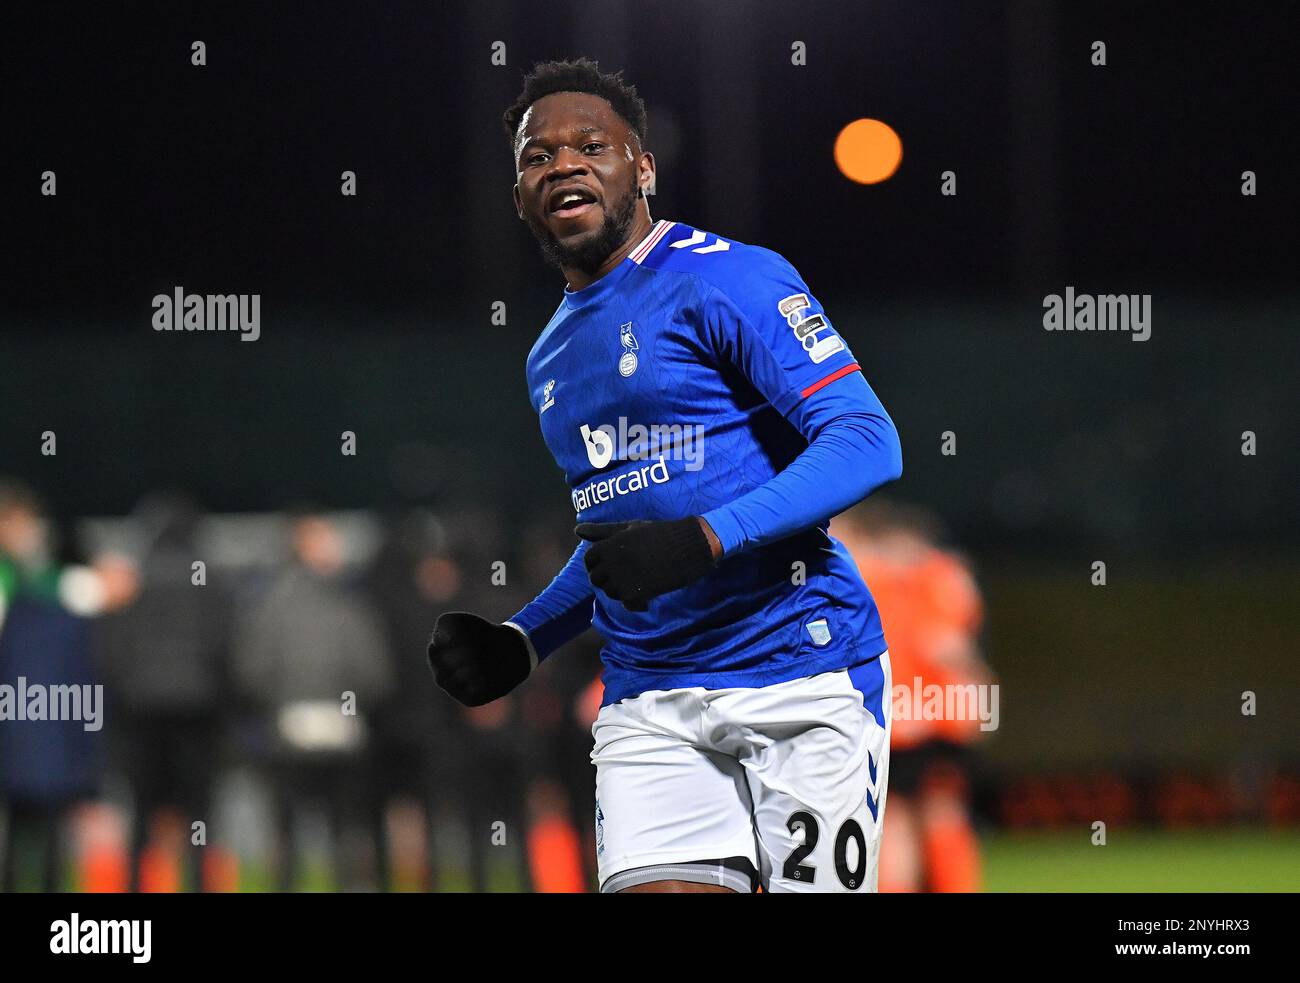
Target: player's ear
x=519, y=205
x=646, y=179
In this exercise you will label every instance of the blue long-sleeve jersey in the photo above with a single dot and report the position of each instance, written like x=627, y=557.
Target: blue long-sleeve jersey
x=701, y=377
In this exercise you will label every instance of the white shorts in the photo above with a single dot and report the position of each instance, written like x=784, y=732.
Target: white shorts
x=789, y=777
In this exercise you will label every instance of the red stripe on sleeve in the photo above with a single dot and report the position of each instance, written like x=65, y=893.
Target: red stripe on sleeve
x=837, y=374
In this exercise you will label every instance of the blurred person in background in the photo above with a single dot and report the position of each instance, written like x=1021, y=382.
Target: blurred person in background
x=561, y=837
x=492, y=787
x=312, y=659
x=417, y=737
x=494, y=760
x=448, y=775
x=932, y=612
x=47, y=766
x=165, y=662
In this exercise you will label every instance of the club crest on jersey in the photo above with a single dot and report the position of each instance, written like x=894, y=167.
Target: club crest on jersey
x=547, y=399
x=815, y=333
x=627, y=361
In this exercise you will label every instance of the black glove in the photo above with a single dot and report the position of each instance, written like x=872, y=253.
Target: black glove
x=635, y=561
x=475, y=660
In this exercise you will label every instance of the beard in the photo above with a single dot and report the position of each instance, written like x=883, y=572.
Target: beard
x=592, y=249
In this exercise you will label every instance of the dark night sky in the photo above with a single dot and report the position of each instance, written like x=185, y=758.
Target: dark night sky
x=229, y=173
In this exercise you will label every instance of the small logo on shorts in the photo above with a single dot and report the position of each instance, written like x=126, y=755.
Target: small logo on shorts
x=871, y=799
x=600, y=829
x=818, y=632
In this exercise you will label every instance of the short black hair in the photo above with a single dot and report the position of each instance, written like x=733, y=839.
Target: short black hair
x=579, y=75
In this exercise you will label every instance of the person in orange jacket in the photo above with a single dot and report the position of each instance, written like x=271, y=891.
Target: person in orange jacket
x=932, y=613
